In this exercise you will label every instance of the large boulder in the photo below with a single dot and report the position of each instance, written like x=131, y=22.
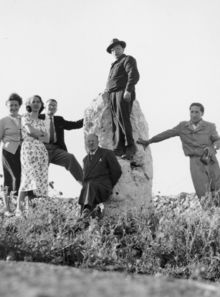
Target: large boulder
x=134, y=188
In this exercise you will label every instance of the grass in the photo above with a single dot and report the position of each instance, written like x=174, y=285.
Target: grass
x=177, y=238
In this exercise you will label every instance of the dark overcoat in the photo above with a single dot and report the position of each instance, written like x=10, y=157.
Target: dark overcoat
x=99, y=177
x=123, y=75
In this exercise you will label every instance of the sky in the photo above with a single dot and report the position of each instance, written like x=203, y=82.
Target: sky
x=57, y=49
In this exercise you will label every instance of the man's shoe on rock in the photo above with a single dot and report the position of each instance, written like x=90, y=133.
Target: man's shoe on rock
x=130, y=152
x=118, y=152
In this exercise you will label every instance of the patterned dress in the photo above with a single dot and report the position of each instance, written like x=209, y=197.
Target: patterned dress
x=34, y=160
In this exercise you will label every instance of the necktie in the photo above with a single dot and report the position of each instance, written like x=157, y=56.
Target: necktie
x=51, y=131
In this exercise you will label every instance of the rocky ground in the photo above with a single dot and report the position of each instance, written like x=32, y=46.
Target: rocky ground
x=43, y=280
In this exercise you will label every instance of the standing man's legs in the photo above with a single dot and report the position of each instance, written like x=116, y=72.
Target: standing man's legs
x=122, y=129
x=200, y=176
x=214, y=173
x=62, y=158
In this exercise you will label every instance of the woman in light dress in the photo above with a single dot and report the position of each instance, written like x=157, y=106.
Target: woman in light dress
x=34, y=156
x=10, y=136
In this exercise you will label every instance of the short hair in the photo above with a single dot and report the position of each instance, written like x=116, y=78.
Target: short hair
x=28, y=102
x=92, y=134
x=51, y=100
x=15, y=97
x=202, y=109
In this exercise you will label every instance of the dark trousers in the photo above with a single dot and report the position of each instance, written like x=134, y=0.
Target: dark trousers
x=62, y=158
x=93, y=193
x=121, y=123
x=11, y=170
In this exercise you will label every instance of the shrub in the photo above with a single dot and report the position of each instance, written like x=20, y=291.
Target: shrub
x=178, y=238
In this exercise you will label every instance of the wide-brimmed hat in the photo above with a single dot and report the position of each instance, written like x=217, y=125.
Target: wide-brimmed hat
x=114, y=42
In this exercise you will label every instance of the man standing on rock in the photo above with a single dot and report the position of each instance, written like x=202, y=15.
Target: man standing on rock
x=101, y=171
x=121, y=83
x=200, y=141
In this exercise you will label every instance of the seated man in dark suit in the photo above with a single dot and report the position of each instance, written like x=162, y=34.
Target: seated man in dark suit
x=56, y=147
x=101, y=171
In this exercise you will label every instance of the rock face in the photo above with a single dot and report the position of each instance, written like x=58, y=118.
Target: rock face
x=134, y=188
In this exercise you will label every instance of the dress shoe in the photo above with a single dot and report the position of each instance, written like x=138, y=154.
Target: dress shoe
x=130, y=152
x=19, y=213
x=97, y=212
x=85, y=213
x=119, y=152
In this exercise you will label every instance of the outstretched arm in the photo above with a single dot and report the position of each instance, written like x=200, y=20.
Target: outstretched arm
x=69, y=125
x=160, y=137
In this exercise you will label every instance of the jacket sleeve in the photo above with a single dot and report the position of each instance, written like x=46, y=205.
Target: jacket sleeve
x=114, y=167
x=166, y=134
x=1, y=129
x=69, y=125
x=215, y=138
x=132, y=72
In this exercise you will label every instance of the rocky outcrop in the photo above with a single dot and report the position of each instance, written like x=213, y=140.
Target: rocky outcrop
x=134, y=188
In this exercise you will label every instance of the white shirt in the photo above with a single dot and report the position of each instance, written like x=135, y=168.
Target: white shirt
x=93, y=153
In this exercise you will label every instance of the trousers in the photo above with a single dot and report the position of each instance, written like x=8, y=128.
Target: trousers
x=121, y=123
x=62, y=158
x=206, y=178
x=94, y=192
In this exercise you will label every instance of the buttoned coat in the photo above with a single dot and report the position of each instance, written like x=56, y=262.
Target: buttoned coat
x=99, y=177
x=123, y=74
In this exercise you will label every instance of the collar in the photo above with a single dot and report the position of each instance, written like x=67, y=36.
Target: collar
x=200, y=123
x=93, y=153
x=17, y=117
x=119, y=59
x=49, y=117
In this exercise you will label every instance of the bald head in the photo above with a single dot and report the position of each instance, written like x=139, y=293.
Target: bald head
x=92, y=142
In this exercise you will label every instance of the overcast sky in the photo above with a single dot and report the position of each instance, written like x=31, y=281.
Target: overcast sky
x=57, y=49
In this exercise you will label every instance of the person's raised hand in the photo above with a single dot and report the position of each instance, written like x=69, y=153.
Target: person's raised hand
x=145, y=143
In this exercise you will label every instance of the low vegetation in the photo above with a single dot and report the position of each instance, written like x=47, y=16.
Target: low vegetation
x=177, y=237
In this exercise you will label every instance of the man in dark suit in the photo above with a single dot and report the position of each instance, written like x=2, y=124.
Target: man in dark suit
x=122, y=79
x=101, y=172
x=56, y=147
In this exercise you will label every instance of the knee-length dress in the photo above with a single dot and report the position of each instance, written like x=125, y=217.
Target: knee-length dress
x=34, y=159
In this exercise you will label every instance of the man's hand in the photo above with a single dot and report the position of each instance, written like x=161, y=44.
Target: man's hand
x=217, y=145
x=208, y=151
x=105, y=96
x=127, y=96
x=145, y=143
